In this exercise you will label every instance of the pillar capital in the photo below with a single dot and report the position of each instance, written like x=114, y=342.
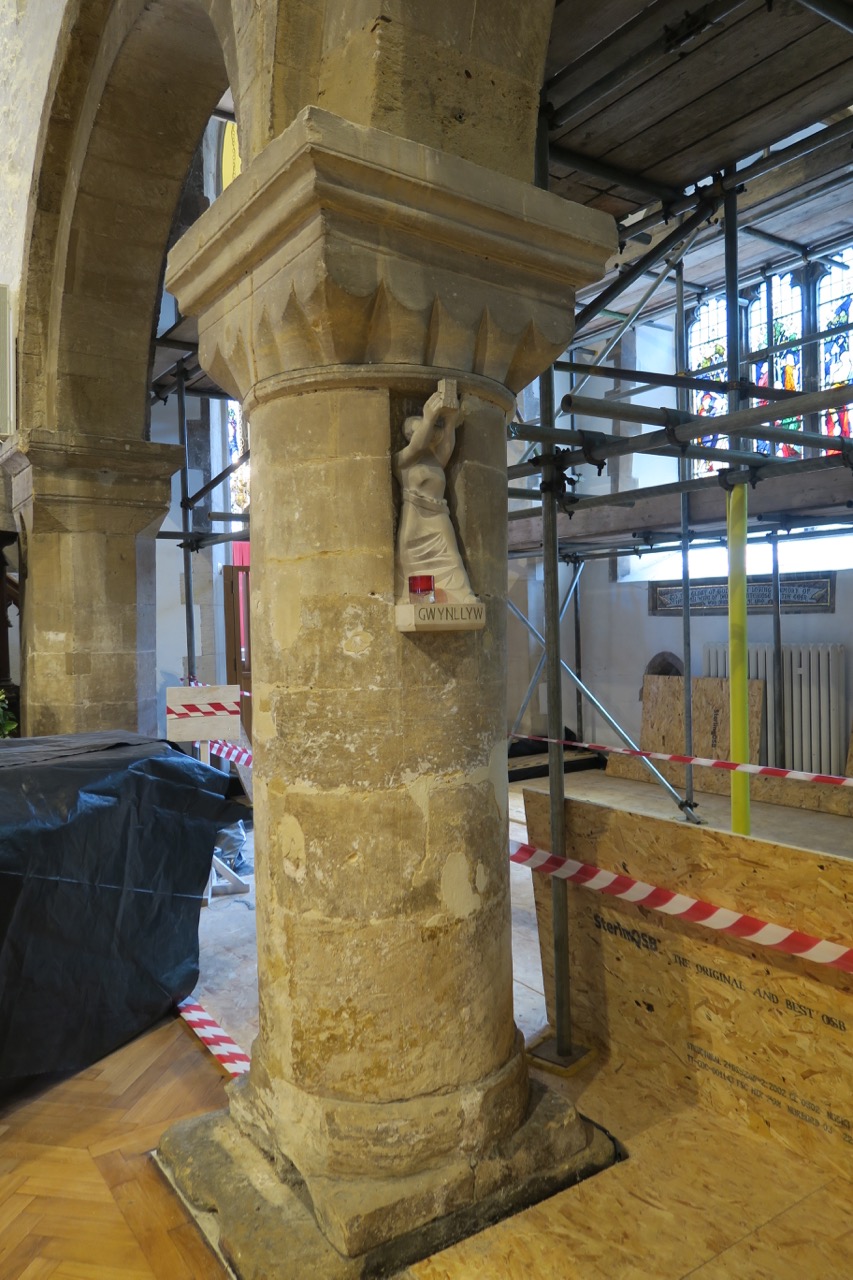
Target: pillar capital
x=65, y=485
x=343, y=245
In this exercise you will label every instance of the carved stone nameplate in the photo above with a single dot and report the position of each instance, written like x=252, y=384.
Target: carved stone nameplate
x=441, y=617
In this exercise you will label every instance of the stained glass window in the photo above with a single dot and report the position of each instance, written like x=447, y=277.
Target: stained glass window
x=833, y=315
x=759, y=369
x=706, y=354
x=238, y=443
x=781, y=366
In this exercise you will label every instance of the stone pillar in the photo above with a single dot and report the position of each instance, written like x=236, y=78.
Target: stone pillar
x=87, y=512
x=335, y=282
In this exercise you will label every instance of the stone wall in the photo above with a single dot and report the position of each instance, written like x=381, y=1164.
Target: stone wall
x=29, y=30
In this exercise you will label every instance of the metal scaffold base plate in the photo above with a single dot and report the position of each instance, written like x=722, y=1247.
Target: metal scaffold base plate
x=542, y=1053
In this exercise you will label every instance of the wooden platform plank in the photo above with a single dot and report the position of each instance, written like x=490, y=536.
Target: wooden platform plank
x=72, y=1270
x=819, y=493
x=732, y=50
x=819, y=832
x=728, y=124
x=20, y=1256
x=10, y=1207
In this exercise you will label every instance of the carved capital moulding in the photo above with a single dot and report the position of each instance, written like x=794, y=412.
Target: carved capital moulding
x=343, y=245
x=56, y=483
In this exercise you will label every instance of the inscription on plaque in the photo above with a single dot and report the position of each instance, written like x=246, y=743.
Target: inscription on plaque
x=798, y=592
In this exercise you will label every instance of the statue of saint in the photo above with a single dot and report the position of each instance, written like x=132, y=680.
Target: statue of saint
x=426, y=540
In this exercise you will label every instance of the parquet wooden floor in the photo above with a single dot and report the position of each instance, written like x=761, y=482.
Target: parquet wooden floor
x=80, y=1198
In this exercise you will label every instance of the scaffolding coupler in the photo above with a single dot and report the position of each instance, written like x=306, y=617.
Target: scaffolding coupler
x=754, y=475
x=672, y=420
x=559, y=459
x=591, y=440
x=687, y=807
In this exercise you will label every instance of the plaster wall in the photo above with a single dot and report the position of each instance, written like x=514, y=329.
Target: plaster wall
x=619, y=638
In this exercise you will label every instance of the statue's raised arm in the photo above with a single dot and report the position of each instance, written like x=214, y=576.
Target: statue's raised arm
x=426, y=539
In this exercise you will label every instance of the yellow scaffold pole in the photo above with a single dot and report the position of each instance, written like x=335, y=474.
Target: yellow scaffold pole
x=736, y=512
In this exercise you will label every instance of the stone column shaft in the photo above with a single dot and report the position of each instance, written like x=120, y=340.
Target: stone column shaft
x=335, y=282
x=381, y=799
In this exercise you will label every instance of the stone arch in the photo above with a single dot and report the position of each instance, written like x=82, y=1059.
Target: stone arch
x=133, y=86
x=133, y=90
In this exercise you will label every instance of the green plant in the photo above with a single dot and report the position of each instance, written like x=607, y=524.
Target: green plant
x=8, y=723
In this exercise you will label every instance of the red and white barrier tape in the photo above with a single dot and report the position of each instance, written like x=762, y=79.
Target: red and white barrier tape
x=232, y=1057
x=747, y=928
x=231, y=751
x=764, y=770
x=226, y=750
x=192, y=711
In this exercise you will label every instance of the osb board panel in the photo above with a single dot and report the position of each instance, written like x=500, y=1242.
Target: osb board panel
x=820, y=832
x=781, y=884
x=746, y=1031
x=663, y=715
x=812, y=796
x=694, y=1188
x=663, y=730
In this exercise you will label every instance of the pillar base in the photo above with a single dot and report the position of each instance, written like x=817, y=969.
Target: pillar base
x=262, y=1221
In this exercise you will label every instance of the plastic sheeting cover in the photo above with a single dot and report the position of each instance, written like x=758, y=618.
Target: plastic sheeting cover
x=104, y=856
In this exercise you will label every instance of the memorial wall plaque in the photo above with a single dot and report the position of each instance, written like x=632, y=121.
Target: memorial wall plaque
x=799, y=592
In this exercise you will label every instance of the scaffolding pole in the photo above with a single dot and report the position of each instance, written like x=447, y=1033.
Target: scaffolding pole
x=629, y=319
x=551, y=478
x=736, y=511
x=205, y=489
x=186, y=524
x=684, y=474
x=736, y=531
x=576, y=618
x=704, y=210
x=699, y=452
x=540, y=666
x=679, y=381
x=679, y=428
x=838, y=12
x=778, y=699
x=605, y=714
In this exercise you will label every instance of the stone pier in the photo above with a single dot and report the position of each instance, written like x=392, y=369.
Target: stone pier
x=336, y=281
x=87, y=511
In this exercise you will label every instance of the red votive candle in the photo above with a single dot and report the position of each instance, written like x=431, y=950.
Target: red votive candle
x=421, y=588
